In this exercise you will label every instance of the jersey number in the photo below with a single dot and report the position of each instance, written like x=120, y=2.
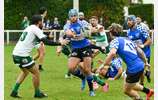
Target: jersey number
x=23, y=36
x=129, y=46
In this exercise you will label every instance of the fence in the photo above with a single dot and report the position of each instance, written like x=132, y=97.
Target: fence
x=55, y=33
x=7, y=34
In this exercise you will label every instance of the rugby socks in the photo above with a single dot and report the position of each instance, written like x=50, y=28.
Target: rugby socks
x=37, y=92
x=146, y=90
x=78, y=73
x=89, y=80
x=40, y=67
x=98, y=80
x=16, y=87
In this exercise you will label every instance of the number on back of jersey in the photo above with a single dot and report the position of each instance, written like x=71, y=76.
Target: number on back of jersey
x=129, y=47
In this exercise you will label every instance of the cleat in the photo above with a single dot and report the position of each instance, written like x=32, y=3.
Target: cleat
x=151, y=92
x=41, y=69
x=67, y=76
x=41, y=95
x=14, y=94
x=83, y=85
x=106, y=87
x=91, y=93
x=95, y=85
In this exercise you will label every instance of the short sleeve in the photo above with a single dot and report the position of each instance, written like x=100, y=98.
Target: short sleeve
x=143, y=31
x=39, y=33
x=114, y=44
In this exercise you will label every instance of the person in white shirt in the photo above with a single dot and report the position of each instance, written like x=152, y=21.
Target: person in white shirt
x=21, y=55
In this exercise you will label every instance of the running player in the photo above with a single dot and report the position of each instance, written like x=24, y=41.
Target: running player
x=135, y=60
x=80, y=50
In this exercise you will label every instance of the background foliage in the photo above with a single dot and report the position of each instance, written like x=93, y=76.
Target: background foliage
x=109, y=10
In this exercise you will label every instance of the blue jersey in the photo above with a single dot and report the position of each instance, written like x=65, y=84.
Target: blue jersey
x=139, y=35
x=115, y=65
x=126, y=49
x=79, y=41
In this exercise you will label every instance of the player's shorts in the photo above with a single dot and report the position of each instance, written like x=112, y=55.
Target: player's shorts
x=81, y=52
x=134, y=78
x=24, y=62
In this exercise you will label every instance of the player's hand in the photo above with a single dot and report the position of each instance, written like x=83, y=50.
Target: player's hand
x=64, y=42
x=147, y=65
x=141, y=46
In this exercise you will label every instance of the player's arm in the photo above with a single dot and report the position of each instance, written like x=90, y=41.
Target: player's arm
x=147, y=37
x=147, y=42
x=142, y=55
x=42, y=37
x=110, y=55
x=114, y=45
x=49, y=42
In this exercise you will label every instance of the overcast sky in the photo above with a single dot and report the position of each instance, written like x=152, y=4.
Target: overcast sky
x=148, y=1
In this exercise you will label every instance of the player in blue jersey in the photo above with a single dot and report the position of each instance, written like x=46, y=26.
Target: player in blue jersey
x=113, y=72
x=80, y=50
x=134, y=58
x=140, y=35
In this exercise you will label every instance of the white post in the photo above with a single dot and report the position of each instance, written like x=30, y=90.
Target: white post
x=55, y=37
x=7, y=37
x=76, y=4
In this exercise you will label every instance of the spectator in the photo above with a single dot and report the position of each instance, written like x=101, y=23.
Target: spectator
x=47, y=24
x=56, y=24
x=25, y=23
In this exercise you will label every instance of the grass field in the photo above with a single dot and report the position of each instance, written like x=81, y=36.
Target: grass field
x=55, y=85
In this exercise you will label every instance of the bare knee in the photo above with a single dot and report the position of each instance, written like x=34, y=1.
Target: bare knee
x=126, y=91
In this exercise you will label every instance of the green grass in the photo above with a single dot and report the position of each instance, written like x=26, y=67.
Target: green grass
x=55, y=85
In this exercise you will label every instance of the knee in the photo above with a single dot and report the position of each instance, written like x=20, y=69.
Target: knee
x=71, y=69
x=126, y=91
x=87, y=71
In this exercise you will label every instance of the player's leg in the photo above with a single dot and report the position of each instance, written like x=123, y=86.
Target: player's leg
x=72, y=66
x=23, y=74
x=142, y=79
x=88, y=74
x=148, y=71
x=128, y=90
x=103, y=73
x=41, y=50
x=36, y=82
x=24, y=63
x=131, y=86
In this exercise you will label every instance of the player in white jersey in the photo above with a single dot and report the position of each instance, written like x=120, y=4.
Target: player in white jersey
x=22, y=52
x=98, y=33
